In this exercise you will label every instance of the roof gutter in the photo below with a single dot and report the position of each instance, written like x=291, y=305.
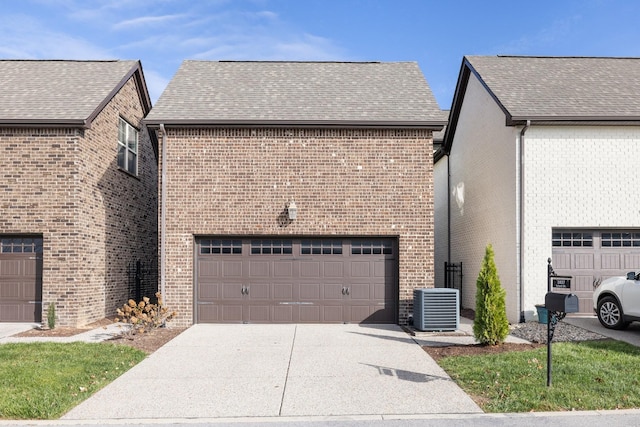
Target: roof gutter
x=163, y=211
x=520, y=234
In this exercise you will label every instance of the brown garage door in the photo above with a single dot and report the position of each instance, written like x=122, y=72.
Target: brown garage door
x=20, y=279
x=296, y=280
x=590, y=256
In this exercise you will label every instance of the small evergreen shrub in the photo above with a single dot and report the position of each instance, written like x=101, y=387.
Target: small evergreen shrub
x=144, y=316
x=51, y=316
x=490, y=326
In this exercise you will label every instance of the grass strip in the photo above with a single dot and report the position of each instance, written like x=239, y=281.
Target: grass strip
x=589, y=375
x=45, y=380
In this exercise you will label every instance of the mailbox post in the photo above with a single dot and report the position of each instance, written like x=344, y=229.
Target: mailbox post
x=557, y=305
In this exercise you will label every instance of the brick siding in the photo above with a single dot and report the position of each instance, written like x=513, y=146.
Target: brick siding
x=345, y=182
x=64, y=184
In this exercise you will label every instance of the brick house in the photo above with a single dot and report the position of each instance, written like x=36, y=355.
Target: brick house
x=538, y=161
x=296, y=191
x=78, y=189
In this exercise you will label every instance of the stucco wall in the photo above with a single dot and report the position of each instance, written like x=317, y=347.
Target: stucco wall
x=349, y=182
x=64, y=184
x=484, y=189
x=575, y=176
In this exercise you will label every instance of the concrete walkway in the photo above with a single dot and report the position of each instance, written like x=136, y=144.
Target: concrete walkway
x=212, y=371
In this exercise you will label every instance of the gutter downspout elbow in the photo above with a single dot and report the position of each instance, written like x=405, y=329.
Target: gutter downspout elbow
x=521, y=222
x=163, y=212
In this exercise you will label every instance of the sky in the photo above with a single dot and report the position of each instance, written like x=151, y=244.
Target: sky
x=436, y=34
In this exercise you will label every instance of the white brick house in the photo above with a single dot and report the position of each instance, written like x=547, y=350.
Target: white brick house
x=539, y=155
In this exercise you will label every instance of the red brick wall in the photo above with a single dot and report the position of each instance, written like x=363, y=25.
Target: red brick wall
x=350, y=182
x=64, y=184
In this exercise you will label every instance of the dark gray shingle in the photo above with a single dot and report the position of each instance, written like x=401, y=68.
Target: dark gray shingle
x=49, y=91
x=304, y=92
x=563, y=87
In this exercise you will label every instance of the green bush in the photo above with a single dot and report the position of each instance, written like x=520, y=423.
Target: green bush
x=51, y=316
x=490, y=326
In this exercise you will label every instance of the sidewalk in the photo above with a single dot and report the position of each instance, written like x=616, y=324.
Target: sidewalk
x=103, y=333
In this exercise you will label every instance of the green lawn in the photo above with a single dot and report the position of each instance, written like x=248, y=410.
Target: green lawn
x=45, y=380
x=587, y=375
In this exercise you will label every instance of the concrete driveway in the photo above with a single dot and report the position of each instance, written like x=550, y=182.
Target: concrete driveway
x=214, y=371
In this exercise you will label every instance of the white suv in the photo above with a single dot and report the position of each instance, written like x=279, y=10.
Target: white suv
x=617, y=301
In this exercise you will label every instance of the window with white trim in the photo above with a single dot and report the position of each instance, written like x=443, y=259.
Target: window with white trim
x=127, y=147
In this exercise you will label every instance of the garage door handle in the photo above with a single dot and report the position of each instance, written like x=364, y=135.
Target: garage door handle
x=245, y=290
x=345, y=291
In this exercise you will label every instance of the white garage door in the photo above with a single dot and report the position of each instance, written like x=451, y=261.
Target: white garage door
x=591, y=256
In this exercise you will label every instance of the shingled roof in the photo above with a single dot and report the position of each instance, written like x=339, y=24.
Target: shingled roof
x=552, y=90
x=298, y=93
x=60, y=92
x=562, y=88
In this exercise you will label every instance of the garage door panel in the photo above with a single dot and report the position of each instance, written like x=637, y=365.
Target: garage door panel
x=333, y=269
x=259, y=313
x=583, y=261
x=208, y=291
x=259, y=291
x=610, y=261
x=361, y=292
x=208, y=313
x=325, y=281
x=310, y=292
x=360, y=269
x=11, y=268
x=562, y=261
x=309, y=314
x=332, y=292
x=231, y=291
x=283, y=291
x=332, y=314
x=583, y=283
x=283, y=269
x=231, y=269
x=231, y=313
x=259, y=268
x=207, y=268
x=596, y=255
x=10, y=290
x=284, y=314
x=632, y=261
x=309, y=269
x=20, y=279
x=11, y=312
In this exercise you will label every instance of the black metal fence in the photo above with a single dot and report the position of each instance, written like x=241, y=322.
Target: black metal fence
x=453, y=277
x=143, y=280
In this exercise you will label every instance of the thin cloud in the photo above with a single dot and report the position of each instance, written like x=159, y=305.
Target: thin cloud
x=146, y=21
x=27, y=38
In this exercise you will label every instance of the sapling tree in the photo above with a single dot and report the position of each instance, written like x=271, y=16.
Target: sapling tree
x=490, y=326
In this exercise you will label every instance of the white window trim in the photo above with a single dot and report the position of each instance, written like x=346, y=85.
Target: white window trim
x=128, y=151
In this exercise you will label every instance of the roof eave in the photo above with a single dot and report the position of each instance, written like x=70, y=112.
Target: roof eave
x=45, y=123
x=573, y=120
x=434, y=125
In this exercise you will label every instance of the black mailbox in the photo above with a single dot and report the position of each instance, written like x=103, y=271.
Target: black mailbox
x=564, y=303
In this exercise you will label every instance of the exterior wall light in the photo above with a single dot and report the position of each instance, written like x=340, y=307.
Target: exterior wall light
x=292, y=210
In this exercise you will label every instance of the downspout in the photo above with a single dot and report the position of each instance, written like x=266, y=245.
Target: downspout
x=449, y=212
x=163, y=212
x=521, y=222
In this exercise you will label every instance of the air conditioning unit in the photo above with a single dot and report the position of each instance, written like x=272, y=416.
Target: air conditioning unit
x=436, y=309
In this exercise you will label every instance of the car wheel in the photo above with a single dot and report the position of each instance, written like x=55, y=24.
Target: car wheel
x=610, y=313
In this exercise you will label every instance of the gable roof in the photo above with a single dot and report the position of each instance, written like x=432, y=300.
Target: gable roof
x=298, y=93
x=61, y=92
x=553, y=90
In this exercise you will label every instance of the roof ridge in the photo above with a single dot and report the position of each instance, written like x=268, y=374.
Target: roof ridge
x=563, y=57
x=67, y=60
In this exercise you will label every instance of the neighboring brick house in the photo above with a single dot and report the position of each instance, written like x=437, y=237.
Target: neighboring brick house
x=78, y=189
x=540, y=156
x=349, y=144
